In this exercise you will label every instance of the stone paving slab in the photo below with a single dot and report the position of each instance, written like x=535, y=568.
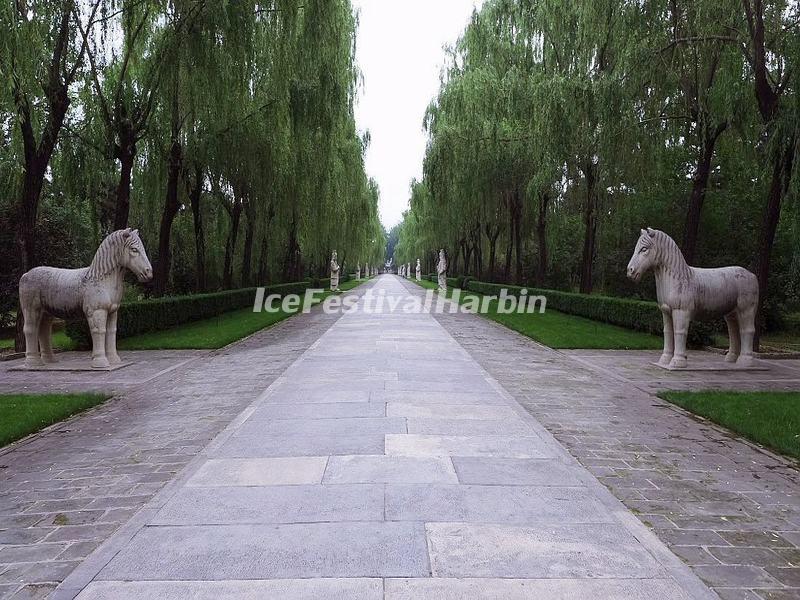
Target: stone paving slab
x=465, y=445
x=573, y=551
x=254, y=446
x=389, y=469
x=709, y=371
x=273, y=504
x=532, y=589
x=296, y=589
x=141, y=367
x=70, y=363
x=494, y=504
x=295, y=470
x=305, y=551
x=409, y=491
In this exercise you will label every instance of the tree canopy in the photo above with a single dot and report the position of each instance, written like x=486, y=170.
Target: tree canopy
x=224, y=131
x=562, y=127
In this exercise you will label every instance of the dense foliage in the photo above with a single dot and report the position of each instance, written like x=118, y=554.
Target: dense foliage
x=562, y=127
x=224, y=131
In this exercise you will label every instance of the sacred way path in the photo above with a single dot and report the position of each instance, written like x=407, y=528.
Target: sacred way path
x=393, y=455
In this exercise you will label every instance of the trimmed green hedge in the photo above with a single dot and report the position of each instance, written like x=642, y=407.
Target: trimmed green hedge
x=163, y=313
x=624, y=312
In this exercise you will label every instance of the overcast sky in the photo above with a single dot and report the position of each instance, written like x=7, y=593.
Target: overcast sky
x=400, y=54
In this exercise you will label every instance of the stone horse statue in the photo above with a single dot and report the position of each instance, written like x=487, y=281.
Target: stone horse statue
x=94, y=291
x=685, y=293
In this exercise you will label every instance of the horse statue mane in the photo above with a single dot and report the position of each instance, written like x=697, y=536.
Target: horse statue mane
x=667, y=253
x=685, y=293
x=96, y=291
x=107, y=257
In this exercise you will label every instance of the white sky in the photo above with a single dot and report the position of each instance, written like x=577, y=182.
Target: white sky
x=400, y=54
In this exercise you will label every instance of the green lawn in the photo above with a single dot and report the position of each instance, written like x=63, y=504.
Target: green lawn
x=215, y=332
x=560, y=330
x=60, y=340
x=22, y=414
x=771, y=419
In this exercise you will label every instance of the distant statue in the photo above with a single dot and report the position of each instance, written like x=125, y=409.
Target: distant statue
x=441, y=270
x=419, y=271
x=408, y=270
x=94, y=291
x=358, y=271
x=334, y=273
x=685, y=293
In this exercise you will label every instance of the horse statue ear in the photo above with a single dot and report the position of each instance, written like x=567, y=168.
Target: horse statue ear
x=642, y=232
x=126, y=233
x=135, y=232
x=651, y=232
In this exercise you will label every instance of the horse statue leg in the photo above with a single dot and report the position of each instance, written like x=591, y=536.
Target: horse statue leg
x=97, y=325
x=46, y=338
x=747, y=329
x=32, y=316
x=734, y=339
x=680, y=324
x=669, y=339
x=111, y=339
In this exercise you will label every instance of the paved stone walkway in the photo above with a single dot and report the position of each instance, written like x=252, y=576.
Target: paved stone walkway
x=728, y=509
x=66, y=490
x=383, y=463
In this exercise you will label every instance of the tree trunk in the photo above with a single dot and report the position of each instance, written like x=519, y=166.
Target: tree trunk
x=590, y=232
x=195, y=194
x=466, y=254
x=492, y=235
x=230, y=245
x=37, y=158
x=778, y=188
x=263, y=261
x=126, y=154
x=518, y=236
x=171, y=207
x=291, y=263
x=541, y=239
x=247, y=256
x=699, y=186
x=510, y=243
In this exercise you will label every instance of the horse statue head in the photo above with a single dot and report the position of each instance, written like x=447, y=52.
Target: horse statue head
x=121, y=249
x=656, y=249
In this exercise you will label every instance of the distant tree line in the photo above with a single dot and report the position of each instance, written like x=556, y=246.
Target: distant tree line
x=562, y=127
x=224, y=131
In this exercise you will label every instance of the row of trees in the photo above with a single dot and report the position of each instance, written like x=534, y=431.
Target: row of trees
x=223, y=130
x=562, y=127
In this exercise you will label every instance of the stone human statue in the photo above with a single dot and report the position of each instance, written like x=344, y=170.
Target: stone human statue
x=358, y=271
x=408, y=270
x=334, y=273
x=419, y=271
x=685, y=293
x=441, y=270
x=94, y=291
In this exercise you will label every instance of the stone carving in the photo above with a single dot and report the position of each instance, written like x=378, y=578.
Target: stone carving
x=94, y=291
x=441, y=270
x=334, y=273
x=419, y=271
x=685, y=293
x=408, y=270
x=358, y=271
